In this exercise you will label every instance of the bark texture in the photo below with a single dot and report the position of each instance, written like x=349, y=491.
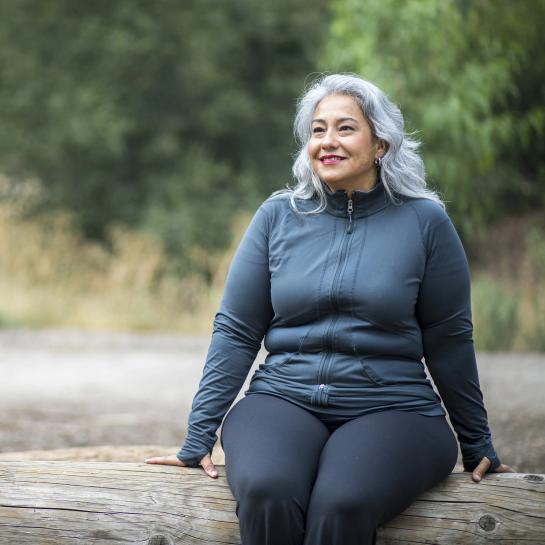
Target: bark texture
x=66, y=502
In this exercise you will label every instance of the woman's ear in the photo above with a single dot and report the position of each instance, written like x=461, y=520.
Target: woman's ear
x=382, y=146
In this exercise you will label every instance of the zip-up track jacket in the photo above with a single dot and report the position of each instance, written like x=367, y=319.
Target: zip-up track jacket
x=350, y=303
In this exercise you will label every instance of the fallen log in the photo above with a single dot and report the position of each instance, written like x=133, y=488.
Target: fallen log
x=61, y=503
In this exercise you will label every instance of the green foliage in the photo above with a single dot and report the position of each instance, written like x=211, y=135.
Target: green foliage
x=495, y=312
x=534, y=339
x=470, y=78
x=165, y=115
x=535, y=241
x=7, y=322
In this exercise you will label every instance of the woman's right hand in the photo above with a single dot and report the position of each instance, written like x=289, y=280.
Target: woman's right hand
x=172, y=460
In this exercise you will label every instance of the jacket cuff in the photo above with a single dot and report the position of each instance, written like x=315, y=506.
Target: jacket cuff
x=190, y=461
x=472, y=459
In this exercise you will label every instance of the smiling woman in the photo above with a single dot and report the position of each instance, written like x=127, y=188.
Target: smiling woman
x=343, y=150
x=352, y=279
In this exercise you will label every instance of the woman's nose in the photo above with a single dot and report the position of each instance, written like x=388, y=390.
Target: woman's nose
x=330, y=139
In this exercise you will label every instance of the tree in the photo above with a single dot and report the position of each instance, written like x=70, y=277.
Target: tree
x=166, y=115
x=469, y=79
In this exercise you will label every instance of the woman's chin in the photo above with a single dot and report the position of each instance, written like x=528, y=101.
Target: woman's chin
x=336, y=184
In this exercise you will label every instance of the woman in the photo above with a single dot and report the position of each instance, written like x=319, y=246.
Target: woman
x=352, y=278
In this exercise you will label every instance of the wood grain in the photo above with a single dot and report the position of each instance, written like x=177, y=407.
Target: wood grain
x=65, y=502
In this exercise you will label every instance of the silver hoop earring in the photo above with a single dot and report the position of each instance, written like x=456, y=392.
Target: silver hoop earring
x=378, y=161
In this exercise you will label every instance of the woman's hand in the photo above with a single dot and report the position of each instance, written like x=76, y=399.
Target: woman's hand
x=172, y=460
x=480, y=471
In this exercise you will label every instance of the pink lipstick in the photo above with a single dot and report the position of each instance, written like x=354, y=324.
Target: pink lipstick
x=331, y=159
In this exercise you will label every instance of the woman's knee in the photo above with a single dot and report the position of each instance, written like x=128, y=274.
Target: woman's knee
x=347, y=506
x=267, y=488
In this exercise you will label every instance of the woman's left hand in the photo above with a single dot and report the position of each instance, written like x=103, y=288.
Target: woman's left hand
x=480, y=471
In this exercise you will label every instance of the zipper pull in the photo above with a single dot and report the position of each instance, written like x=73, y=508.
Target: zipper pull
x=350, y=210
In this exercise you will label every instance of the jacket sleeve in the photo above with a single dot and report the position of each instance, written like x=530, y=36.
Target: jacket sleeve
x=443, y=311
x=239, y=327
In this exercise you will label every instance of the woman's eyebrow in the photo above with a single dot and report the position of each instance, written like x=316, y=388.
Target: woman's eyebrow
x=340, y=120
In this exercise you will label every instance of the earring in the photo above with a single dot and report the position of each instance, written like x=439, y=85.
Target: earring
x=378, y=161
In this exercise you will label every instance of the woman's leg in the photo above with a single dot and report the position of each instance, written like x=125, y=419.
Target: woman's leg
x=371, y=469
x=272, y=448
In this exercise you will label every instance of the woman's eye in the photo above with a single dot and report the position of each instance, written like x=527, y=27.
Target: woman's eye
x=317, y=129
x=344, y=127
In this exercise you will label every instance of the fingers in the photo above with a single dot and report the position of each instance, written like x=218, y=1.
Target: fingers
x=503, y=468
x=480, y=471
x=171, y=460
x=208, y=466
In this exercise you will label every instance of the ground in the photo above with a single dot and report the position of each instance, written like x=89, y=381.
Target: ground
x=63, y=389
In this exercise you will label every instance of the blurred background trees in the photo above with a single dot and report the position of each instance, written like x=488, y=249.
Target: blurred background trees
x=166, y=116
x=171, y=120
x=470, y=80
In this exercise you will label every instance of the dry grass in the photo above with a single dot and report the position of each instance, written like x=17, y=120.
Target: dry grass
x=508, y=287
x=51, y=276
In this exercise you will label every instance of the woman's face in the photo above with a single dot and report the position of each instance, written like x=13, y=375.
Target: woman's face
x=342, y=148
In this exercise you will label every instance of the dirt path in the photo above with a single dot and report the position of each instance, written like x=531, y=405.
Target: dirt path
x=69, y=389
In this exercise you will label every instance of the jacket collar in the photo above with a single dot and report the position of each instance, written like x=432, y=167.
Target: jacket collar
x=364, y=203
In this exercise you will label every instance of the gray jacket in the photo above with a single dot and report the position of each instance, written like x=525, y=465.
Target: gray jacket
x=349, y=302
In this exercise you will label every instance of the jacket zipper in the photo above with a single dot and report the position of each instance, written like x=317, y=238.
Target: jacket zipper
x=350, y=210
x=323, y=370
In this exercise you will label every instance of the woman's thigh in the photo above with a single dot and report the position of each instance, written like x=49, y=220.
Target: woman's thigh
x=377, y=464
x=272, y=447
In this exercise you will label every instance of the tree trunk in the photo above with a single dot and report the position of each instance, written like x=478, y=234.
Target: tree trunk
x=60, y=502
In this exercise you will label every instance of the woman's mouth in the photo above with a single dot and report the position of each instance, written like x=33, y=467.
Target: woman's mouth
x=331, y=159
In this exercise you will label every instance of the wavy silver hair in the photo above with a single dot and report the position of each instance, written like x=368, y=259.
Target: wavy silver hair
x=401, y=169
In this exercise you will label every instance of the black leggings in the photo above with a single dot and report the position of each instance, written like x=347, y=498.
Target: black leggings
x=297, y=481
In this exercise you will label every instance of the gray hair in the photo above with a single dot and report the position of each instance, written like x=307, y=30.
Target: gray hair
x=401, y=169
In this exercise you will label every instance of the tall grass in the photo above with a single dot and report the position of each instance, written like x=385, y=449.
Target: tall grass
x=507, y=321
x=508, y=289
x=495, y=311
x=51, y=276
